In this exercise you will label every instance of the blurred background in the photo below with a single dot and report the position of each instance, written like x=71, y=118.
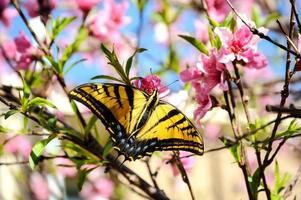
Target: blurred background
x=124, y=26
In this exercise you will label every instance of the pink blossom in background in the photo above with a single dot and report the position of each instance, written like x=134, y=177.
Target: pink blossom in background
x=33, y=7
x=10, y=49
x=19, y=145
x=187, y=162
x=6, y=13
x=212, y=131
x=201, y=31
x=26, y=52
x=240, y=46
x=39, y=186
x=22, y=42
x=217, y=9
x=109, y=20
x=251, y=156
x=97, y=187
x=86, y=5
x=65, y=167
x=150, y=83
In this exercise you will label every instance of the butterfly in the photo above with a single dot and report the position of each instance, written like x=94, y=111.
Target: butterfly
x=139, y=123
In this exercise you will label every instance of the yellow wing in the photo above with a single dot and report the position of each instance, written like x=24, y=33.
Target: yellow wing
x=139, y=124
x=114, y=104
x=169, y=129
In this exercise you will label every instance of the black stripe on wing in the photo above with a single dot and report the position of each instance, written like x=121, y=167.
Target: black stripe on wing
x=98, y=108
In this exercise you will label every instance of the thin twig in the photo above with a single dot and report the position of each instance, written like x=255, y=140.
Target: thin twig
x=151, y=174
x=290, y=187
x=183, y=173
x=262, y=35
x=296, y=15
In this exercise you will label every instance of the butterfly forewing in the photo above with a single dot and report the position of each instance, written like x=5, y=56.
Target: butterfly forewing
x=123, y=102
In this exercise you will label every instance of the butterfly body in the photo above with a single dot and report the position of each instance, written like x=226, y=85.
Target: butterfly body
x=139, y=123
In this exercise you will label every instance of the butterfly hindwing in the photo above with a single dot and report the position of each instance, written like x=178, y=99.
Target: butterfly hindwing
x=172, y=130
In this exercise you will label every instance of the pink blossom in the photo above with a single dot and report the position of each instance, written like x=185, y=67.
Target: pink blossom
x=240, y=46
x=19, y=145
x=39, y=186
x=10, y=49
x=191, y=74
x=150, y=83
x=201, y=31
x=26, y=52
x=207, y=74
x=187, y=162
x=212, y=131
x=100, y=188
x=217, y=9
x=86, y=5
x=109, y=20
x=36, y=8
x=251, y=156
x=211, y=73
x=22, y=42
x=6, y=13
x=204, y=105
x=65, y=167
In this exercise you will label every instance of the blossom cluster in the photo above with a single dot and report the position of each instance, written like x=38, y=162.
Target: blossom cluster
x=237, y=47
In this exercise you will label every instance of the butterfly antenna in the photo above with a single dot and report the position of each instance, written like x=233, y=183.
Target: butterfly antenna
x=166, y=86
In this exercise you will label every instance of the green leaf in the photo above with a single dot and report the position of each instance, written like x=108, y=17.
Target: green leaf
x=280, y=182
x=254, y=182
x=227, y=21
x=235, y=151
x=82, y=177
x=37, y=151
x=114, y=62
x=58, y=25
x=72, y=48
x=90, y=124
x=173, y=60
x=3, y=129
x=291, y=129
x=213, y=23
x=10, y=113
x=130, y=61
x=107, y=148
x=271, y=17
x=196, y=43
x=140, y=4
x=54, y=64
x=51, y=123
x=73, y=65
x=256, y=16
x=107, y=77
x=38, y=101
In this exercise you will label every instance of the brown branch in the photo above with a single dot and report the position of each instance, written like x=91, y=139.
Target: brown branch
x=290, y=187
